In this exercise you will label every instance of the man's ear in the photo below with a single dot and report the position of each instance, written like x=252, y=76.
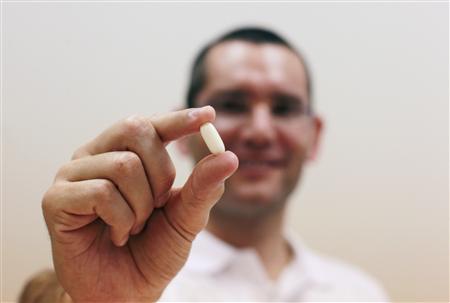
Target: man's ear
x=316, y=136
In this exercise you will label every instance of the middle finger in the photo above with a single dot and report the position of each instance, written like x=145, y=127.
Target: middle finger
x=125, y=170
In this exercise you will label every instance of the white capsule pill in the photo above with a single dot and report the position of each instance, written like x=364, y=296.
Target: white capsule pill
x=212, y=138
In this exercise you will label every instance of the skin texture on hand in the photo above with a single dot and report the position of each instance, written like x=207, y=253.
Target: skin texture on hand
x=119, y=231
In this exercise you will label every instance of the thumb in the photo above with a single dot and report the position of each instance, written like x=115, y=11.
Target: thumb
x=190, y=210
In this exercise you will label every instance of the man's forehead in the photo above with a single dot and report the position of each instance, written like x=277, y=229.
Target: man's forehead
x=234, y=60
x=244, y=52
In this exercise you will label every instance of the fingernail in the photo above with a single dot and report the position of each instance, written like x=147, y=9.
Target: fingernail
x=195, y=112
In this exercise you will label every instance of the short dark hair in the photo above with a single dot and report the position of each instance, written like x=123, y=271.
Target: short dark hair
x=257, y=35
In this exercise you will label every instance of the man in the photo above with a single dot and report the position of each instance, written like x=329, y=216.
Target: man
x=120, y=232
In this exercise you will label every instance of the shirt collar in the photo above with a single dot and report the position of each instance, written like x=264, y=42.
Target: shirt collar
x=210, y=255
x=306, y=260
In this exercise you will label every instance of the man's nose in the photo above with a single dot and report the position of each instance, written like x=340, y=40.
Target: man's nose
x=259, y=129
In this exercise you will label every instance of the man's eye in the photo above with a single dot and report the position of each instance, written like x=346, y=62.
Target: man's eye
x=231, y=106
x=287, y=109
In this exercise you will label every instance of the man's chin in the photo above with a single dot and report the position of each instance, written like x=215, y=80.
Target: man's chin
x=254, y=199
x=249, y=204
x=247, y=210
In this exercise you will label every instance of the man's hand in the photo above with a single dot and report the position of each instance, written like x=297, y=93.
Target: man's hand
x=119, y=231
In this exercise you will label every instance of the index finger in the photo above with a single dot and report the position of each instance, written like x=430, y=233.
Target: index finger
x=174, y=125
x=125, y=135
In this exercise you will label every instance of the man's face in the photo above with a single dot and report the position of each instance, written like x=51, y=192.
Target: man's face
x=260, y=95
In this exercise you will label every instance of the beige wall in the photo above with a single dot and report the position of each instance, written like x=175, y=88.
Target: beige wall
x=378, y=194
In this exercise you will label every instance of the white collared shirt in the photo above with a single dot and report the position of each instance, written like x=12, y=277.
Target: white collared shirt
x=216, y=271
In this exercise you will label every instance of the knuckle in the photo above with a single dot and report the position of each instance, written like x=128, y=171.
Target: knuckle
x=79, y=153
x=51, y=202
x=137, y=126
x=104, y=191
x=48, y=200
x=126, y=163
x=168, y=178
x=163, y=181
x=62, y=171
x=204, y=195
x=76, y=154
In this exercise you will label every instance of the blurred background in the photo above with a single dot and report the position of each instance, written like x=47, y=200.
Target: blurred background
x=378, y=194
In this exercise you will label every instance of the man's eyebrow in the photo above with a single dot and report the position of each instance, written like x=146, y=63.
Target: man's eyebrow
x=227, y=93
x=293, y=100
x=289, y=97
